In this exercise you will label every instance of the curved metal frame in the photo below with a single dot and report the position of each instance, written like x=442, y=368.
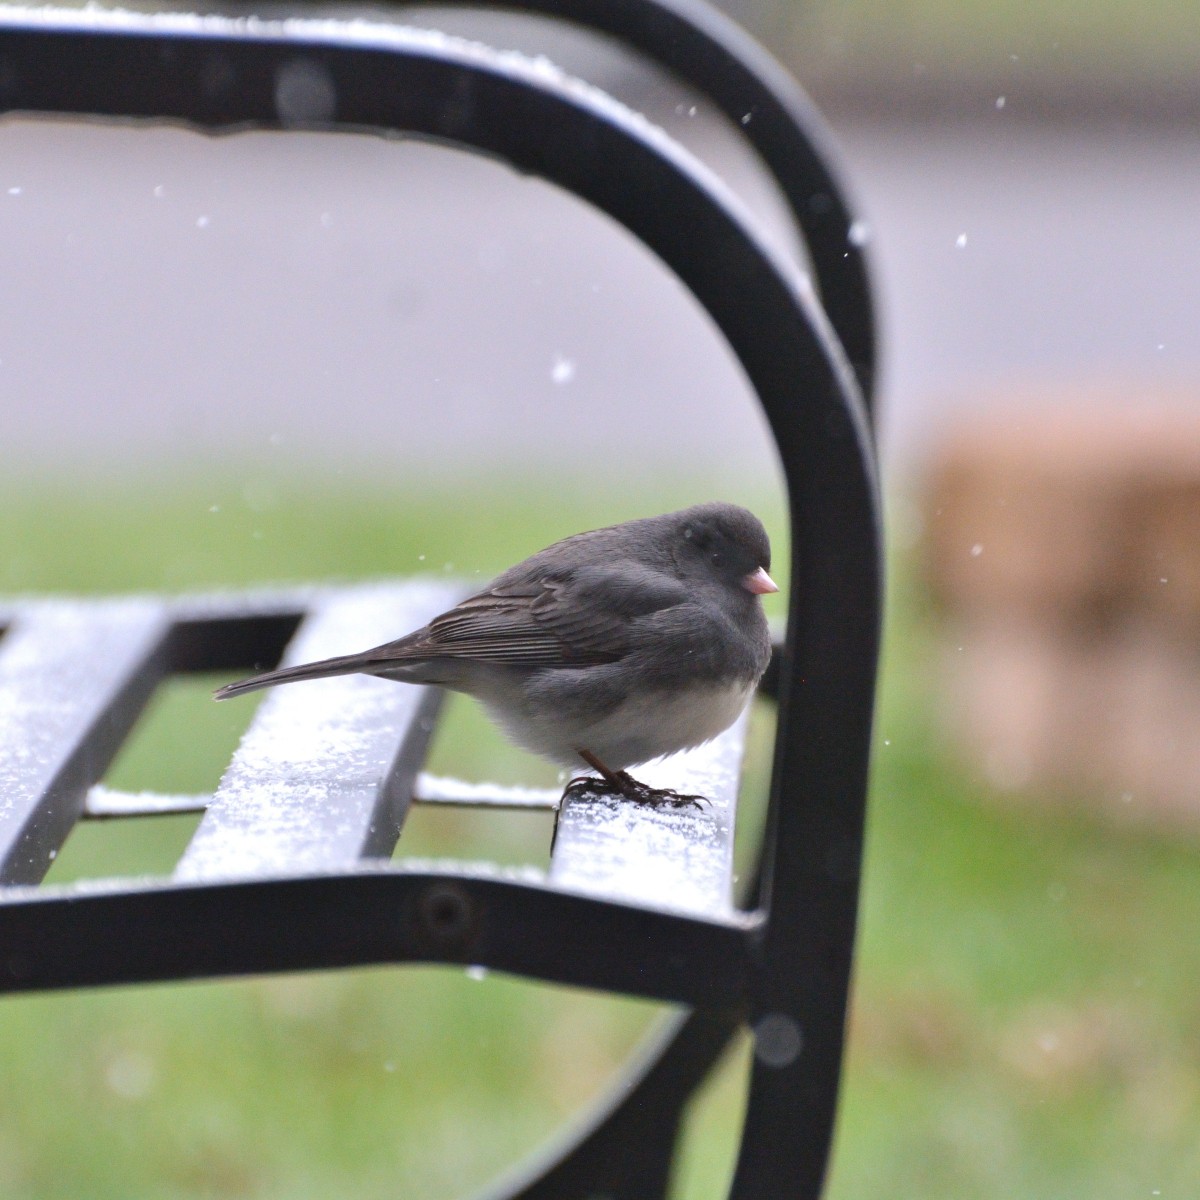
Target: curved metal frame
x=784, y=968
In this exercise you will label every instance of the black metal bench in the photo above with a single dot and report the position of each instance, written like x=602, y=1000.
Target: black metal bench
x=289, y=873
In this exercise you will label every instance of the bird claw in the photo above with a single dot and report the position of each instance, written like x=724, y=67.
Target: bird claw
x=621, y=783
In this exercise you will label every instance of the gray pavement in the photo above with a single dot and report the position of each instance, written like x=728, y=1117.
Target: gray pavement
x=394, y=307
x=1019, y=263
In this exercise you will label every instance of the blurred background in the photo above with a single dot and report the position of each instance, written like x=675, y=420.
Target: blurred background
x=265, y=358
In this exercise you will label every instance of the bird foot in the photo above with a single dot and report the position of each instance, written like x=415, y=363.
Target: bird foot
x=621, y=783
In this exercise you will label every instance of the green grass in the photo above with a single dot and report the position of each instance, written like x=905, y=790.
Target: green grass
x=1025, y=1022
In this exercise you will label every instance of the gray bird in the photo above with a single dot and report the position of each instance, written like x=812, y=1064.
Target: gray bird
x=611, y=647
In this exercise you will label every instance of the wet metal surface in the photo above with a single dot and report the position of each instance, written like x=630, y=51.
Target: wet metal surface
x=325, y=773
x=678, y=858
x=73, y=677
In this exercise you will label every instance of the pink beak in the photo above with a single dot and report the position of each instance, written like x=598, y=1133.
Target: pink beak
x=760, y=583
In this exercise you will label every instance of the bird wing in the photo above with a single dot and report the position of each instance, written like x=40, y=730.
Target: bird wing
x=566, y=619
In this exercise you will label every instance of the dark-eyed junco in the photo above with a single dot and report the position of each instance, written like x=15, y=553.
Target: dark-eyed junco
x=610, y=648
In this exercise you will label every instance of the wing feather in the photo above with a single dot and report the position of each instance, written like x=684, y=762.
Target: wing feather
x=556, y=620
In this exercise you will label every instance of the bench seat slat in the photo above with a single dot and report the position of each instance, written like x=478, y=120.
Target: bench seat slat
x=679, y=859
x=73, y=679
x=324, y=775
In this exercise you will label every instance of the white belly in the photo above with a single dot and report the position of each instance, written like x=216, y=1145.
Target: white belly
x=642, y=727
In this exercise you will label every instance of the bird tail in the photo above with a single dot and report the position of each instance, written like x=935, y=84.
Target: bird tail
x=347, y=664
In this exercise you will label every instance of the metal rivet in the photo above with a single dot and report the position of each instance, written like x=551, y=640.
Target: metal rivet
x=304, y=92
x=446, y=912
x=777, y=1040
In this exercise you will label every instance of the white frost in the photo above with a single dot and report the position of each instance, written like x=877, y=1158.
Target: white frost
x=302, y=788
x=677, y=859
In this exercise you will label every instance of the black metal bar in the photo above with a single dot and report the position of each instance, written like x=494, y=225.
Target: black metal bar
x=102, y=803
x=73, y=679
x=325, y=774
x=625, y=1148
x=248, y=642
x=55, y=938
x=435, y=790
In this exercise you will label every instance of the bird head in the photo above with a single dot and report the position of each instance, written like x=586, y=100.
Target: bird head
x=726, y=541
